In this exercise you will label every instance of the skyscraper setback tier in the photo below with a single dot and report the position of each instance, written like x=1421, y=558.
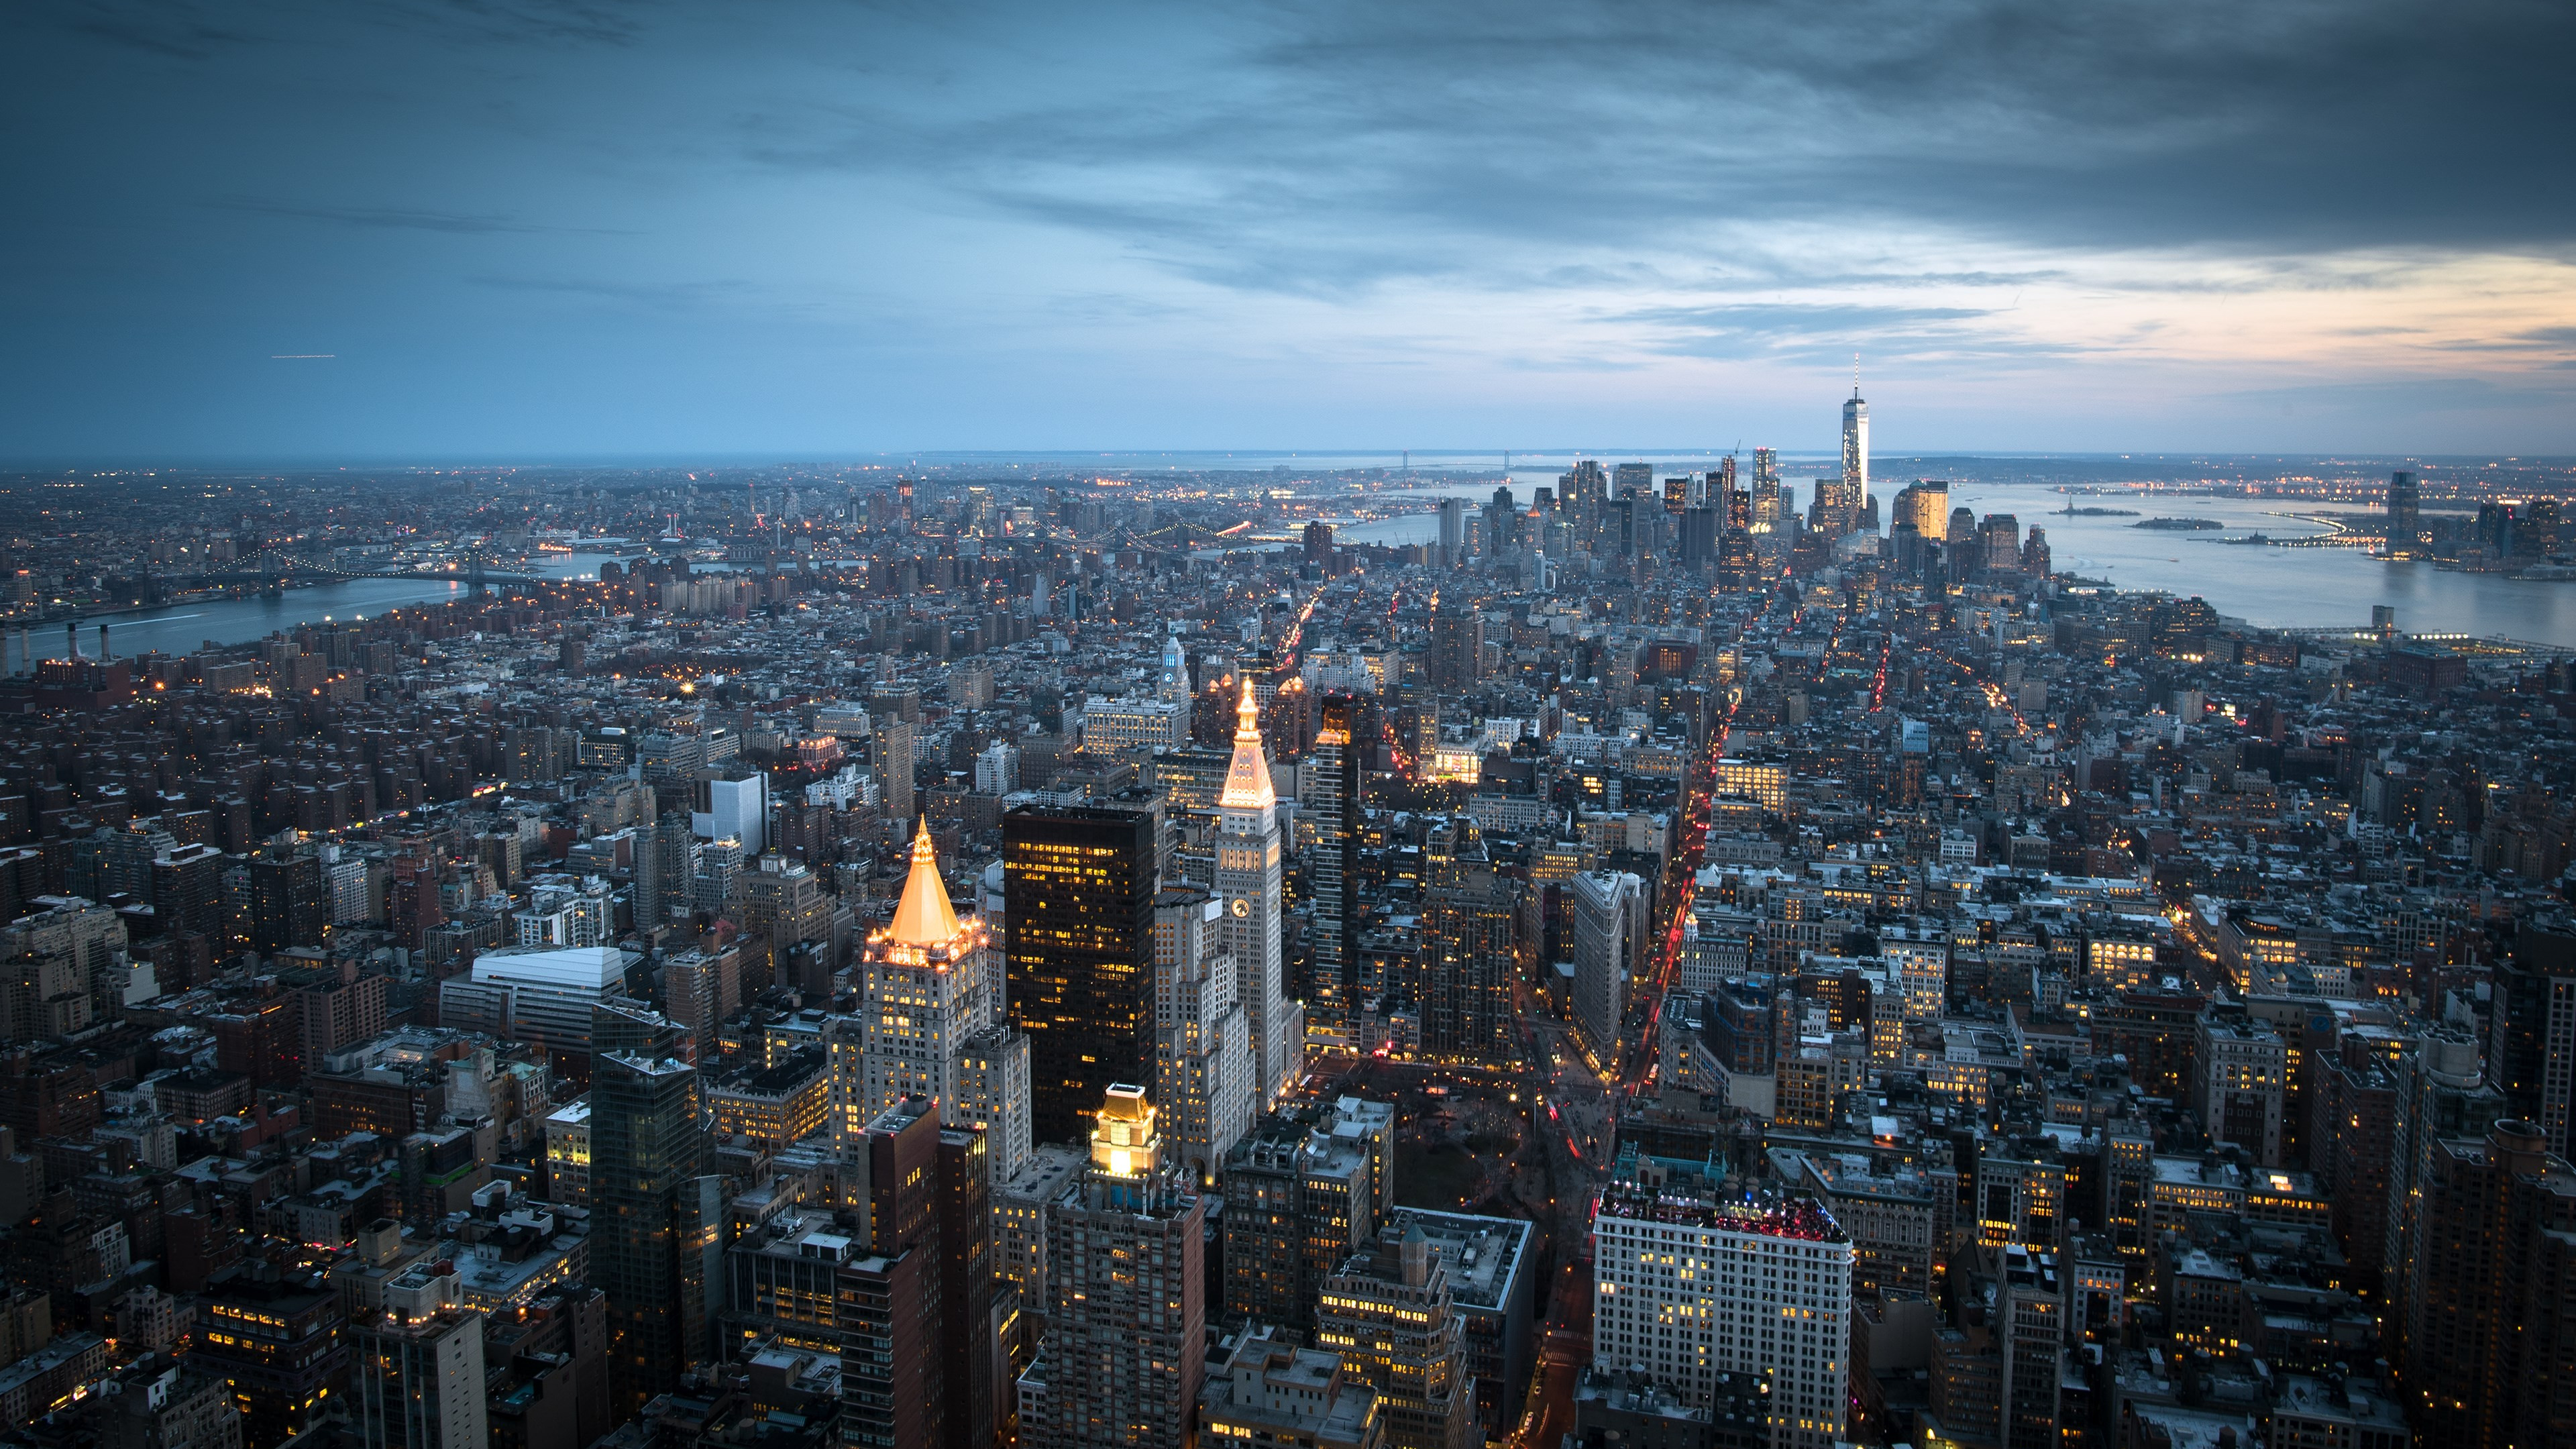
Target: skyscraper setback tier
x=1078, y=882
x=1300, y=1199
x=1388, y=1312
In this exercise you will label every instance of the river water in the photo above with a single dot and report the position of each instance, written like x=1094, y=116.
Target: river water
x=187, y=628
x=2271, y=587
x=2268, y=587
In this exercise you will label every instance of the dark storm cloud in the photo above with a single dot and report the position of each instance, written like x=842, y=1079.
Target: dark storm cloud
x=169, y=29
x=198, y=30
x=835, y=216
x=2262, y=129
x=574, y=21
x=1321, y=149
x=391, y=217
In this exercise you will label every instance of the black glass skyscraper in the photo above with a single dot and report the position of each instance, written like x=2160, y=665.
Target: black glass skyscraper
x=291, y=905
x=1699, y=537
x=645, y=1147
x=1469, y=966
x=2405, y=502
x=1332, y=862
x=1078, y=887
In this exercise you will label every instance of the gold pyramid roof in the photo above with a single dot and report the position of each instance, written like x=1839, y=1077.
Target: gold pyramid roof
x=1247, y=776
x=924, y=917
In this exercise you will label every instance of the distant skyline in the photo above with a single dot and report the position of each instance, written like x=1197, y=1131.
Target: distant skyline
x=552, y=229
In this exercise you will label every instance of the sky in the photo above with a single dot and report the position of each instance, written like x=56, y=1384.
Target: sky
x=521, y=230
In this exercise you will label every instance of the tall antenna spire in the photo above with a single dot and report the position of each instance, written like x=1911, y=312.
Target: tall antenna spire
x=1855, y=374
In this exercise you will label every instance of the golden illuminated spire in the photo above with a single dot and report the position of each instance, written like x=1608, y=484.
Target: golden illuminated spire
x=924, y=918
x=1247, y=779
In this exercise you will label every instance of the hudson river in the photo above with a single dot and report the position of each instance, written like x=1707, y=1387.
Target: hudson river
x=2270, y=587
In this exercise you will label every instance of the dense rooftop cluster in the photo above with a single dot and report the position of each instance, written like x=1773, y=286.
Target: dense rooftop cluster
x=685, y=993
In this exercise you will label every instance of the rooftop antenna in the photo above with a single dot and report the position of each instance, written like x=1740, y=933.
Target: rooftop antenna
x=1855, y=374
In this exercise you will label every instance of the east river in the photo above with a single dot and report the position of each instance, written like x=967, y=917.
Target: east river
x=186, y=628
x=2268, y=587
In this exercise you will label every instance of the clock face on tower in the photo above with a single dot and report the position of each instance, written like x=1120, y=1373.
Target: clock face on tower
x=1242, y=908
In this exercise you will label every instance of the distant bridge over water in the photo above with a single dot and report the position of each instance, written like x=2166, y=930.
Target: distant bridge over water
x=273, y=565
x=2470, y=644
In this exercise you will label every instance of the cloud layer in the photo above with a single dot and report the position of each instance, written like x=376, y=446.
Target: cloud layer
x=571, y=228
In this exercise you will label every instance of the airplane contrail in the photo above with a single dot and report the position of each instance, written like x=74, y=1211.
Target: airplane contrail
x=298, y=356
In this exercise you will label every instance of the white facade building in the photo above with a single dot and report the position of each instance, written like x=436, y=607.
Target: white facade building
x=843, y=789
x=1923, y=971
x=1111, y=726
x=1856, y=447
x=997, y=769
x=351, y=901
x=567, y=911
x=1247, y=881
x=1688, y=1288
x=420, y=1385
x=736, y=810
x=1202, y=1045
x=535, y=995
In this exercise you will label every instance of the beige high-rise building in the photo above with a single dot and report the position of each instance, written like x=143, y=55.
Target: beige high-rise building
x=893, y=745
x=1115, y=726
x=419, y=1370
x=933, y=1022
x=1248, y=882
x=1388, y=1313
x=786, y=901
x=1926, y=505
x=1202, y=1044
x=1126, y=1345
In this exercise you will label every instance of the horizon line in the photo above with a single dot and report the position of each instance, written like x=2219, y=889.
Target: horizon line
x=1198, y=459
